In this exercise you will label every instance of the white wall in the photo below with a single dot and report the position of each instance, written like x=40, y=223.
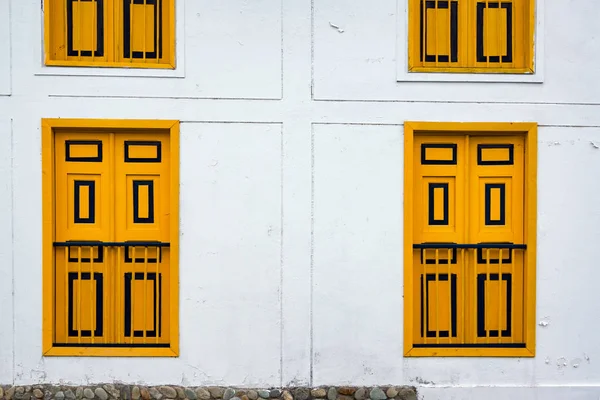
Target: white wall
x=291, y=197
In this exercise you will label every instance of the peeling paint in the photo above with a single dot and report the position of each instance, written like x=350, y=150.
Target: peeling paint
x=340, y=30
x=561, y=362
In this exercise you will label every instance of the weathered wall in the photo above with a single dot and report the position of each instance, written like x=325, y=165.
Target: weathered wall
x=291, y=196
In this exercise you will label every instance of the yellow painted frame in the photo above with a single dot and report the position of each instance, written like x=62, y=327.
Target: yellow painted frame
x=48, y=218
x=528, y=47
x=111, y=48
x=529, y=131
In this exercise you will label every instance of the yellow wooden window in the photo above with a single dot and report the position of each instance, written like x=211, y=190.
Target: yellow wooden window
x=471, y=36
x=110, y=33
x=110, y=226
x=470, y=239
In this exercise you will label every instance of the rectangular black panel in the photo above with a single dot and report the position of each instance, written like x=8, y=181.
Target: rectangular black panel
x=482, y=254
x=99, y=52
x=481, y=6
x=428, y=255
x=91, y=218
x=481, y=331
x=74, y=254
x=441, y=4
x=431, y=204
x=99, y=303
x=488, y=204
x=136, y=202
x=451, y=146
x=130, y=249
x=425, y=305
x=509, y=161
x=157, y=290
x=158, y=38
x=97, y=143
x=153, y=143
x=471, y=345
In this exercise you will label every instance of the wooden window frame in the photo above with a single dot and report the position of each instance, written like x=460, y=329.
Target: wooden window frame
x=49, y=127
x=529, y=131
x=527, y=47
x=112, y=44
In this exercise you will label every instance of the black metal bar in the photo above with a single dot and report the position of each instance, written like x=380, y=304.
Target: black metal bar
x=470, y=246
x=146, y=345
x=113, y=244
x=471, y=345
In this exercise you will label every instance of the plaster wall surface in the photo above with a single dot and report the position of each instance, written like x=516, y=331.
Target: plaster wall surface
x=291, y=197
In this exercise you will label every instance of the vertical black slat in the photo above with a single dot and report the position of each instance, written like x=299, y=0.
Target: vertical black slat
x=100, y=30
x=99, y=304
x=508, y=331
x=481, y=305
x=422, y=41
x=454, y=31
x=160, y=305
x=70, y=51
x=428, y=277
x=127, y=305
x=454, y=310
x=509, y=50
x=480, y=56
x=127, y=28
x=72, y=276
x=154, y=277
x=422, y=302
x=159, y=7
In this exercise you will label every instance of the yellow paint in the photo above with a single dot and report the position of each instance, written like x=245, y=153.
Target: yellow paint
x=436, y=26
x=439, y=21
x=107, y=209
x=143, y=38
x=438, y=154
x=463, y=221
x=495, y=154
x=84, y=13
x=496, y=43
x=85, y=33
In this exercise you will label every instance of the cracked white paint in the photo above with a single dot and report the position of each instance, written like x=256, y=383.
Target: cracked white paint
x=340, y=30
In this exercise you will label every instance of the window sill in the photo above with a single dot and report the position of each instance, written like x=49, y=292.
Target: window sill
x=467, y=75
x=78, y=68
x=469, y=352
x=110, y=352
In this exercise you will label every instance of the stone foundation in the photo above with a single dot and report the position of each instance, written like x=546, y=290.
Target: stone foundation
x=166, y=392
